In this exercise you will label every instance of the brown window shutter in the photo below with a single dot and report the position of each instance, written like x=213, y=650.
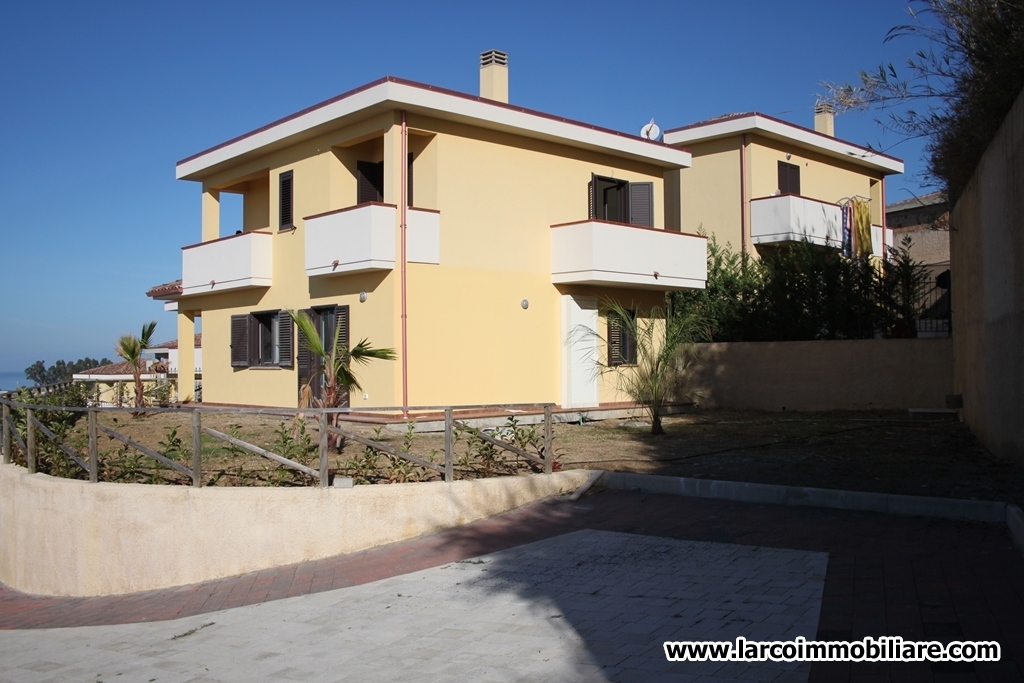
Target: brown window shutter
x=369, y=181
x=304, y=361
x=240, y=341
x=789, y=178
x=285, y=328
x=286, y=203
x=341, y=320
x=641, y=204
x=615, y=333
x=591, y=190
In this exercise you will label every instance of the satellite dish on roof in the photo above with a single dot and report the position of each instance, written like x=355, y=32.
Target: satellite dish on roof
x=650, y=131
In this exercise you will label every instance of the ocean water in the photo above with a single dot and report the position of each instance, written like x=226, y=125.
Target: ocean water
x=13, y=380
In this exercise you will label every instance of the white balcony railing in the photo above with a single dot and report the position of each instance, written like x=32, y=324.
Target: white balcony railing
x=789, y=218
x=878, y=248
x=613, y=254
x=235, y=262
x=362, y=238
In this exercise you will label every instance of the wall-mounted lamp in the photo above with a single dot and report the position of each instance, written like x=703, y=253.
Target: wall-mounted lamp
x=788, y=156
x=362, y=297
x=525, y=303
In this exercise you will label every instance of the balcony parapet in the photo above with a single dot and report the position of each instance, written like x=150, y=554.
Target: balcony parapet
x=234, y=262
x=362, y=238
x=603, y=253
x=792, y=218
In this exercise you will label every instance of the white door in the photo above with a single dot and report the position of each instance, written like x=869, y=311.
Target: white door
x=579, y=352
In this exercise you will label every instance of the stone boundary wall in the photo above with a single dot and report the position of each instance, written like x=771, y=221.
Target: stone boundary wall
x=869, y=374
x=987, y=266
x=72, y=538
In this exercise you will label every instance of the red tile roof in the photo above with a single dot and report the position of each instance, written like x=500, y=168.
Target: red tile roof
x=166, y=291
x=173, y=344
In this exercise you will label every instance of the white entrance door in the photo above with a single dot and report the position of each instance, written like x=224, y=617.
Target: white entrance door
x=579, y=351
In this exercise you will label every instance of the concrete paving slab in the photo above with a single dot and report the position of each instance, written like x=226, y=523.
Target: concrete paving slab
x=584, y=606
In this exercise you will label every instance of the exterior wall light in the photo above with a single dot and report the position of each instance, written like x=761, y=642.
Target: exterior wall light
x=525, y=303
x=362, y=297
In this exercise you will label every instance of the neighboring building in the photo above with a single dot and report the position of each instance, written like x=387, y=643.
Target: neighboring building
x=473, y=237
x=167, y=354
x=114, y=384
x=757, y=182
x=925, y=220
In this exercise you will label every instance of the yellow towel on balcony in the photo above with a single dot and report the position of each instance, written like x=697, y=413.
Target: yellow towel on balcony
x=862, y=226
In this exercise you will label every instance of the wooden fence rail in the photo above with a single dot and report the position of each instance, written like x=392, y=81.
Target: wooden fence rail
x=28, y=445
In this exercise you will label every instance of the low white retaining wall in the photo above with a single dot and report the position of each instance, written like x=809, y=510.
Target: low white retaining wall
x=71, y=538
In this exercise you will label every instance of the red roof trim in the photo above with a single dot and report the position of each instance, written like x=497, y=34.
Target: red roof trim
x=629, y=225
x=349, y=208
x=229, y=237
x=421, y=86
x=733, y=117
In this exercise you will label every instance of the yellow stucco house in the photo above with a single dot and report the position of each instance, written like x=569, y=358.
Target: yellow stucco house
x=470, y=235
x=757, y=182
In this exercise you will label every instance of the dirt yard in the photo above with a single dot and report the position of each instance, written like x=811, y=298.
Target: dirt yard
x=881, y=452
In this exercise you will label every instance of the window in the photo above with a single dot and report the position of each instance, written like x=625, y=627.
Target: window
x=370, y=181
x=261, y=339
x=621, y=340
x=789, y=178
x=285, y=202
x=621, y=202
x=329, y=321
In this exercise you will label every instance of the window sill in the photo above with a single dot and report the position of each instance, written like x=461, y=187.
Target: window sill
x=265, y=367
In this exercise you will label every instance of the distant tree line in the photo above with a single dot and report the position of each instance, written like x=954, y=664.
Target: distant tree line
x=61, y=371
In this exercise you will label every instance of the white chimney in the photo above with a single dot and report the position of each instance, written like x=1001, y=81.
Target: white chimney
x=494, y=76
x=825, y=119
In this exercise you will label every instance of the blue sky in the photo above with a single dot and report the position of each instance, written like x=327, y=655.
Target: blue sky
x=100, y=100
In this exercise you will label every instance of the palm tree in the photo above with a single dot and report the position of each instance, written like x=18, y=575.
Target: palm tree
x=336, y=364
x=665, y=347
x=130, y=348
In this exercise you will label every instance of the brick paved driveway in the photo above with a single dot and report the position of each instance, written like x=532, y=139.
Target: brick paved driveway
x=886, y=575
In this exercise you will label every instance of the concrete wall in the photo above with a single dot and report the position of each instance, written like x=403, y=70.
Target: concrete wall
x=987, y=262
x=68, y=537
x=890, y=374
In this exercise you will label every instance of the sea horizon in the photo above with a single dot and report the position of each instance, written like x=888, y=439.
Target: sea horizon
x=13, y=379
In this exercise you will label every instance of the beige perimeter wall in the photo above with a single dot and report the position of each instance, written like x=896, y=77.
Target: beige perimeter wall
x=987, y=265
x=888, y=374
x=69, y=537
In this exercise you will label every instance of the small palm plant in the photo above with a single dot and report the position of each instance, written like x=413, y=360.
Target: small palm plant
x=665, y=347
x=336, y=364
x=130, y=348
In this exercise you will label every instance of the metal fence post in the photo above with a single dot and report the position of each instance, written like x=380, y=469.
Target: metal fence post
x=324, y=441
x=449, y=456
x=94, y=450
x=548, y=455
x=197, y=449
x=30, y=440
x=7, y=433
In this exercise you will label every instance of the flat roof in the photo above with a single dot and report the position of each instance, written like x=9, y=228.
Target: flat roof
x=392, y=93
x=777, y=129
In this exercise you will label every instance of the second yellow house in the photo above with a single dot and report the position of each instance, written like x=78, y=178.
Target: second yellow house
x=757, y=182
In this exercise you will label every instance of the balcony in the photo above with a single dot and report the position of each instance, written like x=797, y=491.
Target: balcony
x=618, y=255
x=235, y=262
x=362, y=239
x=790, y=218
x=877, y=247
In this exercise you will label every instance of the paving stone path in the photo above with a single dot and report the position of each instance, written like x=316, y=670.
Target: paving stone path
x=886, y=575
x=585, y=606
